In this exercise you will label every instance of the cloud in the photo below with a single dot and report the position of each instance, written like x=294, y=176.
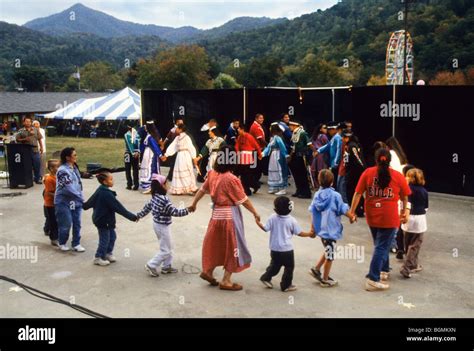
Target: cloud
x=198, y=13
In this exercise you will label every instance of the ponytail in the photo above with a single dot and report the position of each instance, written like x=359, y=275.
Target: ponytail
x=382, y=159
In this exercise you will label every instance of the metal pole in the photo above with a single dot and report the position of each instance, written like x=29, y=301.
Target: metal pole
x=333, y=104
x=245, y=106
x=394, y=100
x=141, y=107
x=405, y=43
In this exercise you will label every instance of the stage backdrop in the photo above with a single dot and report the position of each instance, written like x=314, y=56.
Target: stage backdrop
x=438, y=140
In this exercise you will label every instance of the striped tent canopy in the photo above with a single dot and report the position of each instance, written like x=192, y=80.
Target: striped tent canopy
x=123, y=104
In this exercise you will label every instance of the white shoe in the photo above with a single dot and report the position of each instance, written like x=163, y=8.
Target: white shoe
x=79, y=248
x=271, y=191
x=384, y=276
x=64, y=248
x=55, y=243
x=290, y=288
x=100, y=262
x=111, y=258
x=281, y=192
x=370, y=285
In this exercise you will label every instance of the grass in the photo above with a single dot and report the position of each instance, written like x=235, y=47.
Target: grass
x=108, y=152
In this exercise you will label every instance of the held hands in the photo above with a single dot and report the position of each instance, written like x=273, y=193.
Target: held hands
x=191, y=208
x=163, y=158
x=404, y=216
x=352, y=217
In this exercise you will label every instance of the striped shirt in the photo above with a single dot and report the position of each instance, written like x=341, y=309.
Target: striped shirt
x=162, y=210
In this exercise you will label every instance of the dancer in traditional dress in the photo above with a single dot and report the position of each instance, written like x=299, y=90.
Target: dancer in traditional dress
x=224, y=243
x=210, y=149
x=184, y=180
x=168, y=140
x=151, y=157
x=297, y=163
x=318, y=140
x=247, y=148
x=277, y=164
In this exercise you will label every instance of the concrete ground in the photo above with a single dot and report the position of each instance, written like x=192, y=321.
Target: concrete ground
x=444, y=289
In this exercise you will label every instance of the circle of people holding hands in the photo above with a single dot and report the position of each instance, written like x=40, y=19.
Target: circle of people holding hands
x=390, y=194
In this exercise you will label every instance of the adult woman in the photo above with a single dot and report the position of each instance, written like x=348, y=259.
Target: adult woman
x=277, y=164
x=68, y=200
x=318, y=139
x=224, y=243
x=184, y=180
x=150, y=163
x=383, y=187
x=211, y=148
x=355, y=166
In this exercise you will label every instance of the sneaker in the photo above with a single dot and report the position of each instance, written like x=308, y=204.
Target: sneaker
x=328, y=283
x=100, y=262
x=146, y=192
x=55, y=243
x=151, y=271
x=64, y=248
x=370, y=285
x=168, y=270
x=384, y=276
x=79, y=248
x=290, y=288
x=267, y=283
x=393, y=250
x=281, y=192
x=316, y=273
x=273, y=191
x=111, y=258
x=417, y=269
x=399, y=255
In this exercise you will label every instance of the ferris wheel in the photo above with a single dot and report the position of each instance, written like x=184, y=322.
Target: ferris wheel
x=394, y=59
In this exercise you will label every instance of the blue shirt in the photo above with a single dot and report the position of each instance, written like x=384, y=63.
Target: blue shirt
x=282, y=229
x=327, y=208
x=334, y=149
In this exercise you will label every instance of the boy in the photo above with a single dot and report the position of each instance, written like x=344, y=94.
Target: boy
x=48, y=195
x=282, y=227
x=327, y=208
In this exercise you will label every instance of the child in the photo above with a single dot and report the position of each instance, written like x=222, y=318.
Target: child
x=414, y=229
x=49, y=182
x=327, y=208
x=282, y=227
x=162, y=210
x=105, y=206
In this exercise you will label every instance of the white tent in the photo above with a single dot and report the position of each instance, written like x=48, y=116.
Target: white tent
x=123, y=104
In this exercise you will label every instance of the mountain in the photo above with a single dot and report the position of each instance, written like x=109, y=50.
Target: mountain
x=82, y=19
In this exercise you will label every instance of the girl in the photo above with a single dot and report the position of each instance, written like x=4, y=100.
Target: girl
x=355, y=166
x=105, y=206
x=277, y=164
x=162, y=210
x=184, y=181
x=152, y=153
x=318, y=140
x=413, y=230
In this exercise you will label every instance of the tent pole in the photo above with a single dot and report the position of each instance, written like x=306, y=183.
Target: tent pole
x=141, y=107
x=394, y=97
x=333, y=104
x=118, y=128
x=80, y=128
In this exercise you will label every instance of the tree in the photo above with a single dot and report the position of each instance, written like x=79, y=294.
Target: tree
x=225, y=81
x=377, y=80
x=182, y=67
x=449, y=78
x=99, y=76
x=31, y=78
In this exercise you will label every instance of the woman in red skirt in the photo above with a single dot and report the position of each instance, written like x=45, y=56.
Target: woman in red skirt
x=224, y=243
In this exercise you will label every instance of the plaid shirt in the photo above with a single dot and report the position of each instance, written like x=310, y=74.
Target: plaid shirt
x=162, y=210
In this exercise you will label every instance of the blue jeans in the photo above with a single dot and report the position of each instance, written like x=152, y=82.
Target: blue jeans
x=107, y=237
x=341, y=188
x=67, y=215
x=380, y=259
x=36, y=160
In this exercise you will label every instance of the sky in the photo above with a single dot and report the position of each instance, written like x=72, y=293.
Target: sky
x=201, y=14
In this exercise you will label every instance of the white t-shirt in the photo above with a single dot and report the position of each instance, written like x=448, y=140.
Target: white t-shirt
x=43, y=139
x=282, y=229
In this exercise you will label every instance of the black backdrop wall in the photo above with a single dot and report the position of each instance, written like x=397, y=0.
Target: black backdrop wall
x=440, y=142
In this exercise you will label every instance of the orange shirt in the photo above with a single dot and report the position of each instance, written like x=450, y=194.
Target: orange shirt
x=49, y=187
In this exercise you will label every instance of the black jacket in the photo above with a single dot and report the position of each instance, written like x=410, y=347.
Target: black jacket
x=105, y=206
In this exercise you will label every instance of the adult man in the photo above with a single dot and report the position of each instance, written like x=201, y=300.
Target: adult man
x=300, y=144
x=32, y=136
x=246, y=147
x=333, y=148
x=232, y=132
x=132, y=157
x=37, y=125
x=284, y=123
x=257, y=131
